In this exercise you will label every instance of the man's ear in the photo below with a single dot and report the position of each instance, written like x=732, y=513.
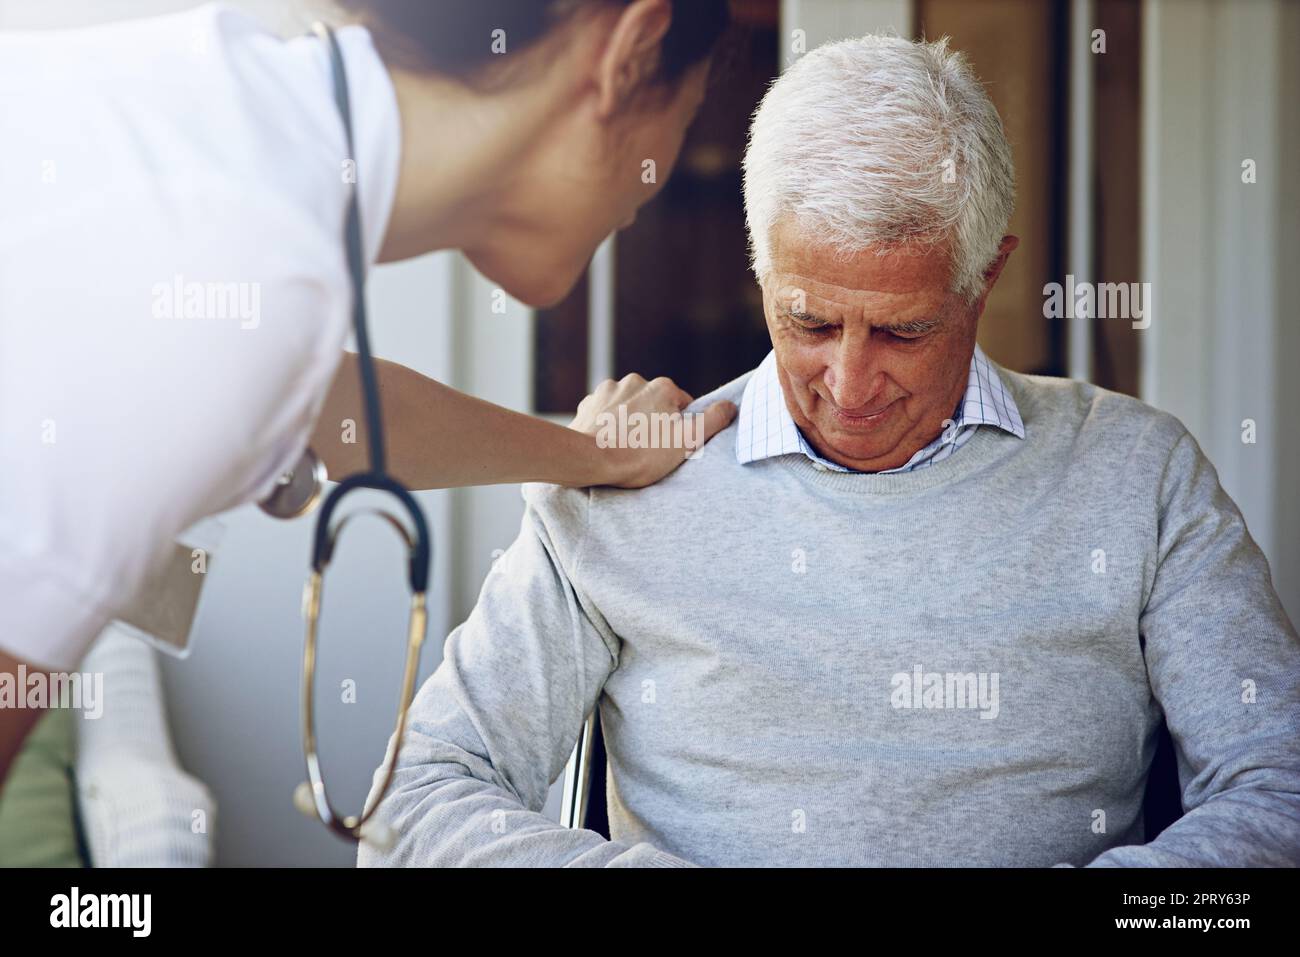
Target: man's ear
x=631, y=54
x=994, y=270
x=1005, y=248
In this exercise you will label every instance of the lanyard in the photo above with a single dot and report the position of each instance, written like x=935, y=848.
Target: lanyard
x=311, y=797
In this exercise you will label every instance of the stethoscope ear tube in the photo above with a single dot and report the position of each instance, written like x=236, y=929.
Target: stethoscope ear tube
x=311, y=796
x=420, y=550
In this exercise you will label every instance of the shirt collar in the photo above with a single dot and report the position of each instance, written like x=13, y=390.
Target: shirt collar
x=765, y=428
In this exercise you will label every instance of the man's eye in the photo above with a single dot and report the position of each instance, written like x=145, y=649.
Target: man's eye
x=811, y=325
x=906, y=336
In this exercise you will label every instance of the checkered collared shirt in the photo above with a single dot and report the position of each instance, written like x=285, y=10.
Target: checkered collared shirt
x=766, y=428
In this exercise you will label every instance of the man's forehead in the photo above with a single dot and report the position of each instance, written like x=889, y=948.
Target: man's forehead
x=803, y=262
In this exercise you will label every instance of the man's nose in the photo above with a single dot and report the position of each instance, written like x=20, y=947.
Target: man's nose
x=855, y=376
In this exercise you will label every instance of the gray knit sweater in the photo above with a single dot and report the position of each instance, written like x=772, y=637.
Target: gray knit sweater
x=963, y=665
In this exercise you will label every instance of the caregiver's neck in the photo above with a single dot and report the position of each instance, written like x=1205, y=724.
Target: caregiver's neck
x=467, y=158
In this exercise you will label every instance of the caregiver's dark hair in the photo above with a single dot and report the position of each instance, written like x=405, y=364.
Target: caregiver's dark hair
x=455, y=36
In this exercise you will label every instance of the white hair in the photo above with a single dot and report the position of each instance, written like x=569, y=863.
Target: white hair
x=881, y=142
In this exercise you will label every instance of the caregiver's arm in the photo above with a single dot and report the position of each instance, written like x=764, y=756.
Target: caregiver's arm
x=438, y=437
x=1224, y=663
x=15, y=723
x=494, y=725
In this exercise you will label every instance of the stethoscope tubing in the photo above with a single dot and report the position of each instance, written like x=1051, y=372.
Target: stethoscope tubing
x=311, y=797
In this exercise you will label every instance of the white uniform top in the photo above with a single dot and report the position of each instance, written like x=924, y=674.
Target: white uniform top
x=174, y=295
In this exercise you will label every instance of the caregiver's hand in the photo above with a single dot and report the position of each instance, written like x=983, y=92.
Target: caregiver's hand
x=641, y=430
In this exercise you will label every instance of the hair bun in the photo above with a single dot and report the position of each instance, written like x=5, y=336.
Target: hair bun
x=456, y=36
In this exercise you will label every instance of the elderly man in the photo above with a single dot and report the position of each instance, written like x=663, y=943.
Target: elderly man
x=911, y=608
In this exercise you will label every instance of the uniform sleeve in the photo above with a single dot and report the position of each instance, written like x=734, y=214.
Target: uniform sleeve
x=1223, y=661
x=495, y=724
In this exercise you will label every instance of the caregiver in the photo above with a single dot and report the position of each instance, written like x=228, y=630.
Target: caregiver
x=200, y=147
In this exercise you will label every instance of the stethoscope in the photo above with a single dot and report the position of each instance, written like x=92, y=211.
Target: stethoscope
x=300, y=491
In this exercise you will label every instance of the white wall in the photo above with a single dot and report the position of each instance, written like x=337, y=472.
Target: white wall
x=284, y=16
x=825, y=20
x=1219, y=81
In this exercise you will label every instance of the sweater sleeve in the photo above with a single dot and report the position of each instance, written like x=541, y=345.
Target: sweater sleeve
x=495, y=724
x=1223, y=661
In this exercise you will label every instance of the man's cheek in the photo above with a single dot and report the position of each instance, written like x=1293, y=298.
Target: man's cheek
x=799, y=366
x=913, y=369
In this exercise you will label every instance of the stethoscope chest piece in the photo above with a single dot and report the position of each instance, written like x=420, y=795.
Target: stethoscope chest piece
x=299, y=489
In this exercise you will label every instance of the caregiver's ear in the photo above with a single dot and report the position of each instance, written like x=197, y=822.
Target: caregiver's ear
x=631, y=54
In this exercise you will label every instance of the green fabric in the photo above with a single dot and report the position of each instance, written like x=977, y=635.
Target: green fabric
x=38, y=826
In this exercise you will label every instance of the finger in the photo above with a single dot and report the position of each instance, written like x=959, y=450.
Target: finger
x=717, y=417
x=670, y=391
